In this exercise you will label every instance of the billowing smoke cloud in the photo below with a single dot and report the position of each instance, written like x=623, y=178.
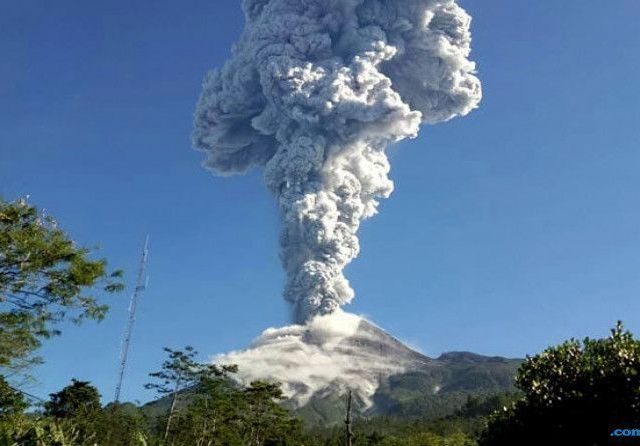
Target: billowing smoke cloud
x=315, y=92
x=329, y=354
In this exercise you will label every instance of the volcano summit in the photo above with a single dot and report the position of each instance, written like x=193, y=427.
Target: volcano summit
x=317, y=362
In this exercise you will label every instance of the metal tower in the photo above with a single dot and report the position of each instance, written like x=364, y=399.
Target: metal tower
x=348, y=433
x=141, y=285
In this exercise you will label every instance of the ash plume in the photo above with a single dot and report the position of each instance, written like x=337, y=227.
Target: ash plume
x=315, y=91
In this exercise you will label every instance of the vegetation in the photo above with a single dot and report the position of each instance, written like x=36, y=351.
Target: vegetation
x=456, y=376
x=78, y=400
x=217, y=410
x=178, y=373
x=220, y=412
x=12, y=402
x=461, y=428
x=44, y=278
x=574, y=393
x=74, y=417
x=438, y=389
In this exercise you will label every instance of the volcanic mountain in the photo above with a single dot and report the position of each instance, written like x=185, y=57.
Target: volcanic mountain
x=319, y=361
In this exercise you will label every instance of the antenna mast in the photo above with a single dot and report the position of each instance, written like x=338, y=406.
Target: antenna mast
x=141, y=284
x=348, y=433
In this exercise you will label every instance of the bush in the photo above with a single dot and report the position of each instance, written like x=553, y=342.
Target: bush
x=574, y=393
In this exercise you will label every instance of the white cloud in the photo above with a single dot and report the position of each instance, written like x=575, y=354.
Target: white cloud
x=330, y=352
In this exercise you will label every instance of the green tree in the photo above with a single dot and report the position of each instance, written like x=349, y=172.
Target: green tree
x=12, y=402
x=77, y=411
x=213, y=412
x=121, y=424
x=44, y=279
x=573, y=394
x=264, y=421
x=178, y=373
x=42, y=432
x=79, y=399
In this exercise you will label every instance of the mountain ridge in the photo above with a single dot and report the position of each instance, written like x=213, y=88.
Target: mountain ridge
x=428, y=387
x=407, y=383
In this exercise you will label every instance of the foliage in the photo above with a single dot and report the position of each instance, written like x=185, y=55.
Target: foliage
x=573, y=393
x=213, y=411
x=44, y=278
x=264, y=421
x=79, y=399
x=221, y=413
x=216, y=410
x=385, y=431
x=12, y=402
x=122, y=424
x=39, y=432
x=443, y=387
x=76, y=407
x=179, y=372
x=79, y=423
x=105, y=430
x=459, y=429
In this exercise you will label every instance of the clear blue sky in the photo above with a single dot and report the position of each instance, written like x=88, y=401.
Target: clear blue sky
x=512, y=229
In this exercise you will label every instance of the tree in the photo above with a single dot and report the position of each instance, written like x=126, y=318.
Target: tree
x=77, y=411
x=212, y=415
x=215, y=410
x=79, y=399
x=12, y=402
x=574, y=393
x=179, y=372
x=265, y=422
x=122, y=424
x=44, y=278
x=41, y=432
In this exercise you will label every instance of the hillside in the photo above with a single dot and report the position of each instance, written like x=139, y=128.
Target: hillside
x=426, y=387
x=430, y=387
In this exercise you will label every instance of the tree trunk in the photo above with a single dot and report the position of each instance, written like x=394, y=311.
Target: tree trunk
x=174, y=398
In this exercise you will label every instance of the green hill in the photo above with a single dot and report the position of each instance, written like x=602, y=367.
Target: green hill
x=436, y=388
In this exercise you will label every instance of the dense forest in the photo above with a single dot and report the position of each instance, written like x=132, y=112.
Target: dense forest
x=576, y=392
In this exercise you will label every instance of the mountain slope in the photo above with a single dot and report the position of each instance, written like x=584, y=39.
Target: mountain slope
x=429, y=387
x=386, y=376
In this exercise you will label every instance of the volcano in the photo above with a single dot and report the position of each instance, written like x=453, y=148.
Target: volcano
x=317, y=363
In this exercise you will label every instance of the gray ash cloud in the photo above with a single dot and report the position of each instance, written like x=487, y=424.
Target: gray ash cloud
x=314, y=93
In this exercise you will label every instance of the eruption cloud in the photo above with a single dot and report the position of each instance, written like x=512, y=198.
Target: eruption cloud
x=315, y=91
x=324, y=355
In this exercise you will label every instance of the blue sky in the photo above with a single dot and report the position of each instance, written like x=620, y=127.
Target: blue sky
x=509, y=230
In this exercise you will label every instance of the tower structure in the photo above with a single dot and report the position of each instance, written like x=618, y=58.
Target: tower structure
x=348, y=433
x=141, y=285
